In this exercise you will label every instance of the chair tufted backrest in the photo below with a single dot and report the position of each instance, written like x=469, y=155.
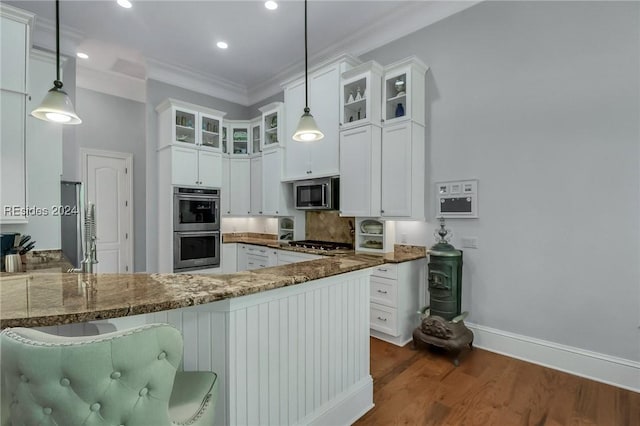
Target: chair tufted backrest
x=119, y=378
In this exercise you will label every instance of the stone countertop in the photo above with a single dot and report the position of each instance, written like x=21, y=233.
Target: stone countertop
x=44, y=299
x=401, y=252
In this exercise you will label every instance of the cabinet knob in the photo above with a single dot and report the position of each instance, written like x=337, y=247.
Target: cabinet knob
x=248, y=212
x=276, y=211
x=260, y=212
x=228, y=211
x=381, y=211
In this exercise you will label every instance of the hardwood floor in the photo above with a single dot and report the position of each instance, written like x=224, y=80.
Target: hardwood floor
x=424, y=388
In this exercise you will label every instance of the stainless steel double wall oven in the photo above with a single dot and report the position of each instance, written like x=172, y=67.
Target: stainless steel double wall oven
x=196, y=228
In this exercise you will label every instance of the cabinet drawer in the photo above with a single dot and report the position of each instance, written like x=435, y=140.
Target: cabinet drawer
x=383, y=319
x=387, y=270
x=384, y=291
x=256, y=262
x=257, y=250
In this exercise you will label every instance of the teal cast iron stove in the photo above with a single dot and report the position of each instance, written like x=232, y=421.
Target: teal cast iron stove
x=442, y=321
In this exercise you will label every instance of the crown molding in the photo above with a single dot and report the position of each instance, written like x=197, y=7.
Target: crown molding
x=413, y=16
x=44, y=36
x=190, y=79
x=111, y=83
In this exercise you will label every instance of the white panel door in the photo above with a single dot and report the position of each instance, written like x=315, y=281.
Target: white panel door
x=108, y=181
x=396, y=170
x=324, y=101
x=12, y=158
x=297, y=153
x=256, y=186
x=271, y=185
x=240, y=181
x=210, y=169
x=355, y=172
x=184, y=170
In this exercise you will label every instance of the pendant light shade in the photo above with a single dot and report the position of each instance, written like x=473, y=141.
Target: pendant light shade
x=307, y=130
x=56, y=106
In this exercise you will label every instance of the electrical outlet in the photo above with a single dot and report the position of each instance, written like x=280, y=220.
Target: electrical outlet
x=469, y=242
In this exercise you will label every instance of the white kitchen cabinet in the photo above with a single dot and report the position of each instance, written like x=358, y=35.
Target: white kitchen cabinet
x=256, y=135
x=360, y=165
x=238, y=133
x=15, y=46
x=395, y=299
x=225, y=187
x=240, y=187
x=403, y=91
x=273, y=125
x=403, y=171
x=361, y=93
x=256, y=186
x=277, y=196
x=229, y=258
x=286, y=257
x=255, y=257
x=321, y=158
x=188, y=125
x=193, y=167
x=374, y=236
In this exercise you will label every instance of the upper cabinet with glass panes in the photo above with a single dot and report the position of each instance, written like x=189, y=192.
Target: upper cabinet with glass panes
x=189, y=125
x=272, y=125
x=256, y=134
x=403, y=91
x=238, y=138
x=360, y=95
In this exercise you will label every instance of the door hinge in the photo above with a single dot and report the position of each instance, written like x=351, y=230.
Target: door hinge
x=126, y=235
x=126, y=268
x=126, y=203
x=126, y=170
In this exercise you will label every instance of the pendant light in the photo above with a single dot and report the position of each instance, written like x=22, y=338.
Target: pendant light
x=56, y=105
x=307, y=130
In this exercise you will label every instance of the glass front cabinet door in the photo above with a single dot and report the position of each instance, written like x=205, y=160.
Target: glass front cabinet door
x=256, y=134
x=360, y=95
x=272, y=124
x=403, y=91
x=239, y=133
x=189, y=125
x=210, y=131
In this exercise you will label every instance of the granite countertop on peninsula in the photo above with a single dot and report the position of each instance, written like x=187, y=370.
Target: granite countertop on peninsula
x=44, y=299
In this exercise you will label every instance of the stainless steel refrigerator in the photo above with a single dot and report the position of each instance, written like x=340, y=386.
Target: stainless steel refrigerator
x=71, y=225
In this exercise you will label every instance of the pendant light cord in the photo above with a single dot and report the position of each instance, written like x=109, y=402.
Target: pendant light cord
x=306, y=79
x=58, y=82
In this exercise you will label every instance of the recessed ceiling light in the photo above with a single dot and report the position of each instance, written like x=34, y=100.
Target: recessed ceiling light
x=222, y=45
x=82, y=55
x=125, y=3
x=271, y=5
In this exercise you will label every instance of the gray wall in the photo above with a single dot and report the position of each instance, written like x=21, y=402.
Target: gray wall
x=255, y=112
x=540, y=102
x=156, y=93
x=112, y=123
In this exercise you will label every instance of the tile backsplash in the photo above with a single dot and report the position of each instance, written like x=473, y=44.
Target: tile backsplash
x=329, y=226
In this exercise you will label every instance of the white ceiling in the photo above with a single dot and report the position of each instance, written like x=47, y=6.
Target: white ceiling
x=265, y=47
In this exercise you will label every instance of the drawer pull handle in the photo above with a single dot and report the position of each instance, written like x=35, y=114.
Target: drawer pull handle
x=383, y=270
x=382, y=319
x=382, y=291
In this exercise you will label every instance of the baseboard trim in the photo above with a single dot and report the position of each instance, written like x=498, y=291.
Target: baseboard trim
x=603, y=368
x=345, y=409
x=398, y=341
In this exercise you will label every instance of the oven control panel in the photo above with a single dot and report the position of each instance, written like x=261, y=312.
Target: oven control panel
x=457, y=199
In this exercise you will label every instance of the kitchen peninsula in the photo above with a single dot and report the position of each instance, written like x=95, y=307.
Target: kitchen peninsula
x=290, y=343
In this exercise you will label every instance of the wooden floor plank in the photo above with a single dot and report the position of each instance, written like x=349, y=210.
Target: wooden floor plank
x=422, y=387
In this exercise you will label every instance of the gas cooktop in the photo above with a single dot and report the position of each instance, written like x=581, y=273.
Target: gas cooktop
x=321, y=245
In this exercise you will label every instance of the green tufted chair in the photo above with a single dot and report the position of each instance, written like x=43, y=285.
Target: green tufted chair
x=126, y=378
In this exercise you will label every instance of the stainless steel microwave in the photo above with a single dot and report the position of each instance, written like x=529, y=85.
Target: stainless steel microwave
x=317, y=194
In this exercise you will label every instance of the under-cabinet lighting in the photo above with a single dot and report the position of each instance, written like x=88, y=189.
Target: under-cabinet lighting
x=222, y=45
x=125, y=3
x=271, y=5
x=82, y=55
